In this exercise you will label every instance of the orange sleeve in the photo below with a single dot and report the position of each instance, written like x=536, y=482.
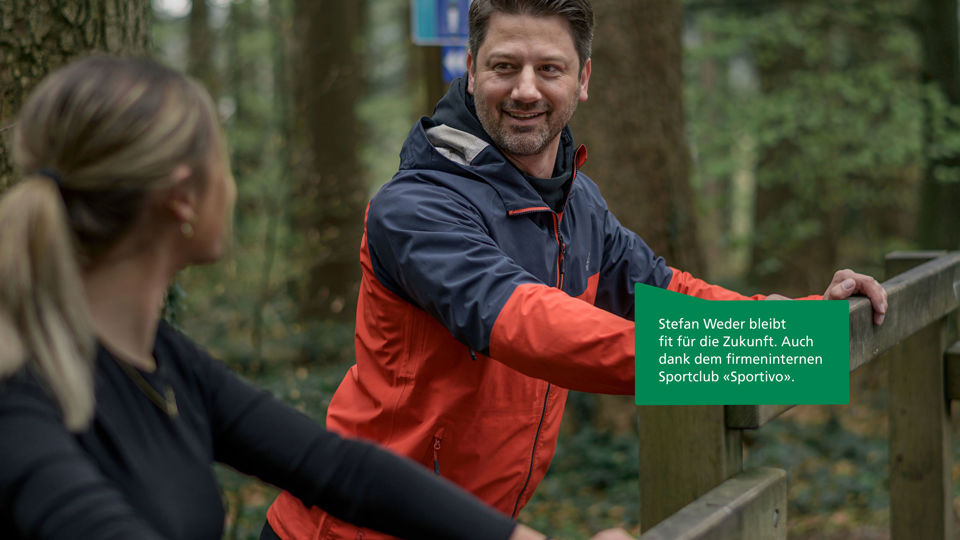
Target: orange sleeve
x=545, y=333
x=685, y=283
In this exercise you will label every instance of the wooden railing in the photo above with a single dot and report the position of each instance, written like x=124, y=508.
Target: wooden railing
x=692, y=481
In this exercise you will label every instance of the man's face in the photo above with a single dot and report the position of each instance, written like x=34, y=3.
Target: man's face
x=525, y=82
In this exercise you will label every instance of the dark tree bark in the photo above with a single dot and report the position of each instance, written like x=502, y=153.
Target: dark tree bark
x=431, y=74
x=633, y=125
x=38, y=36
x=330, y=188
x=939, y=217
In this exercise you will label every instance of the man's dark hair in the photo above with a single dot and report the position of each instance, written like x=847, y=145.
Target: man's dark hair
x=578, y=13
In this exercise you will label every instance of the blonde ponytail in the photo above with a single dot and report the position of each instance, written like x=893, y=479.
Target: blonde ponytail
x=42, y=304
x=94, y=139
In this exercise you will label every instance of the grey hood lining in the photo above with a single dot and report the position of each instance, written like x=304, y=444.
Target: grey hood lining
x=458, y=146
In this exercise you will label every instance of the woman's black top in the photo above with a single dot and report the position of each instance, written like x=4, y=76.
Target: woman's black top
x=138, y=472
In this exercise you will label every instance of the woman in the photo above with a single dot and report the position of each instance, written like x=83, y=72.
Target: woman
x=110, y=418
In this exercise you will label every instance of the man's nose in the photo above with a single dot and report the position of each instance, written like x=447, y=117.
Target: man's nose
x=526, y=89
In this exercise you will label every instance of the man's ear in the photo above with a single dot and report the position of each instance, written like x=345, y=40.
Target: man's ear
x=181, y=198
x=584, y=80
x=470, y=73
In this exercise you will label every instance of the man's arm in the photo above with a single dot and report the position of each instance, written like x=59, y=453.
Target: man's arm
x=433, y=249
x=629, y=260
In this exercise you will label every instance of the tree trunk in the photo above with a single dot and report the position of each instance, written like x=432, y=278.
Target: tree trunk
x=939, y=218
x=38, y=36
x=329, y=183
x=633, y=126
x=200, y=59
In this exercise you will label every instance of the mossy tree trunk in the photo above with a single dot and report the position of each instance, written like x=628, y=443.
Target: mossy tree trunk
x=38, y=36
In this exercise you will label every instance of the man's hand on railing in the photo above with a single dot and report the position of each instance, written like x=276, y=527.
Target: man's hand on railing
x=847, y=282
x=612, y=534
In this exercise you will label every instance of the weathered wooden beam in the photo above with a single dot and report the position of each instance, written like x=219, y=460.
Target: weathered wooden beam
x=921, y=492
x=898, y=262
x=952, y=365
x=916, y=298
x=750, y=506
x=924, y=288
x=684, y=453
x=753, y=416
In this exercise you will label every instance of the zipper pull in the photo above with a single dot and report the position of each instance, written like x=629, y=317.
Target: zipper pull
x=436, y=456
x=563, y=251
x=472, y=354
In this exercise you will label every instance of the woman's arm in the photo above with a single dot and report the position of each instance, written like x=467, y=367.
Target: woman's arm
x=49, y=487
x=353, y=480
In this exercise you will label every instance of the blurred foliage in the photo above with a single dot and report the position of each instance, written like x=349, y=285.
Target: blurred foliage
x=820, y=104
x=820, y=101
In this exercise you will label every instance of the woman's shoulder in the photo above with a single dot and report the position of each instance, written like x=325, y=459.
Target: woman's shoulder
x=25, y=391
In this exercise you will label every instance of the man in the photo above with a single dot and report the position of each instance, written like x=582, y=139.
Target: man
x=494, y=277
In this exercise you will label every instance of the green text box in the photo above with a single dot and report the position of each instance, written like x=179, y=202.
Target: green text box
x=699, y=352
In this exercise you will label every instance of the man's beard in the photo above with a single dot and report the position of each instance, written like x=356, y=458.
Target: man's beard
x=524, y=141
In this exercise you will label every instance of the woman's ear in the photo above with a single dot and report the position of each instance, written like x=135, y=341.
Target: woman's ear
x=181, y=198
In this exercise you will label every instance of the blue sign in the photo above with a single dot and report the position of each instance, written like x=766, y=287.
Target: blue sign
x=454, y=62
x=439, y=22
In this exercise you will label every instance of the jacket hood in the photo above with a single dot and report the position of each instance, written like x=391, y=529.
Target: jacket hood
x=457, y=110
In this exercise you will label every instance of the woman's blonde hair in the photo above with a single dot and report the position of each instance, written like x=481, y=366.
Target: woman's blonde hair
x=91, y=142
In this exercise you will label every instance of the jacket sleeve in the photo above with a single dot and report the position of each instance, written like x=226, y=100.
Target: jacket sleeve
x=351, y=479
x=49, y=487
x=628, y=260
x=437, y=253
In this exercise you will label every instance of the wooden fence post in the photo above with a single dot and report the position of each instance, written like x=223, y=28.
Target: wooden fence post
x=920, y=443
x=684, y=453
x=691, y=457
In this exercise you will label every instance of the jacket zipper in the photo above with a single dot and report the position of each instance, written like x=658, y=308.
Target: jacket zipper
x=543, y=413
x=436, y=451
x=546, y=396
x=563, y=249
x=533, y=453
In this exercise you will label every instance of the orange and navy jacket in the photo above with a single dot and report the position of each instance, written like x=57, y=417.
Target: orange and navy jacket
x=479, y=308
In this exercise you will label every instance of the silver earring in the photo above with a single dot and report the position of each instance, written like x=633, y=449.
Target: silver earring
x=186, y=229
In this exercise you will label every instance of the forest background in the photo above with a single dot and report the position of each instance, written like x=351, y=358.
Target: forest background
x=760, y=144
